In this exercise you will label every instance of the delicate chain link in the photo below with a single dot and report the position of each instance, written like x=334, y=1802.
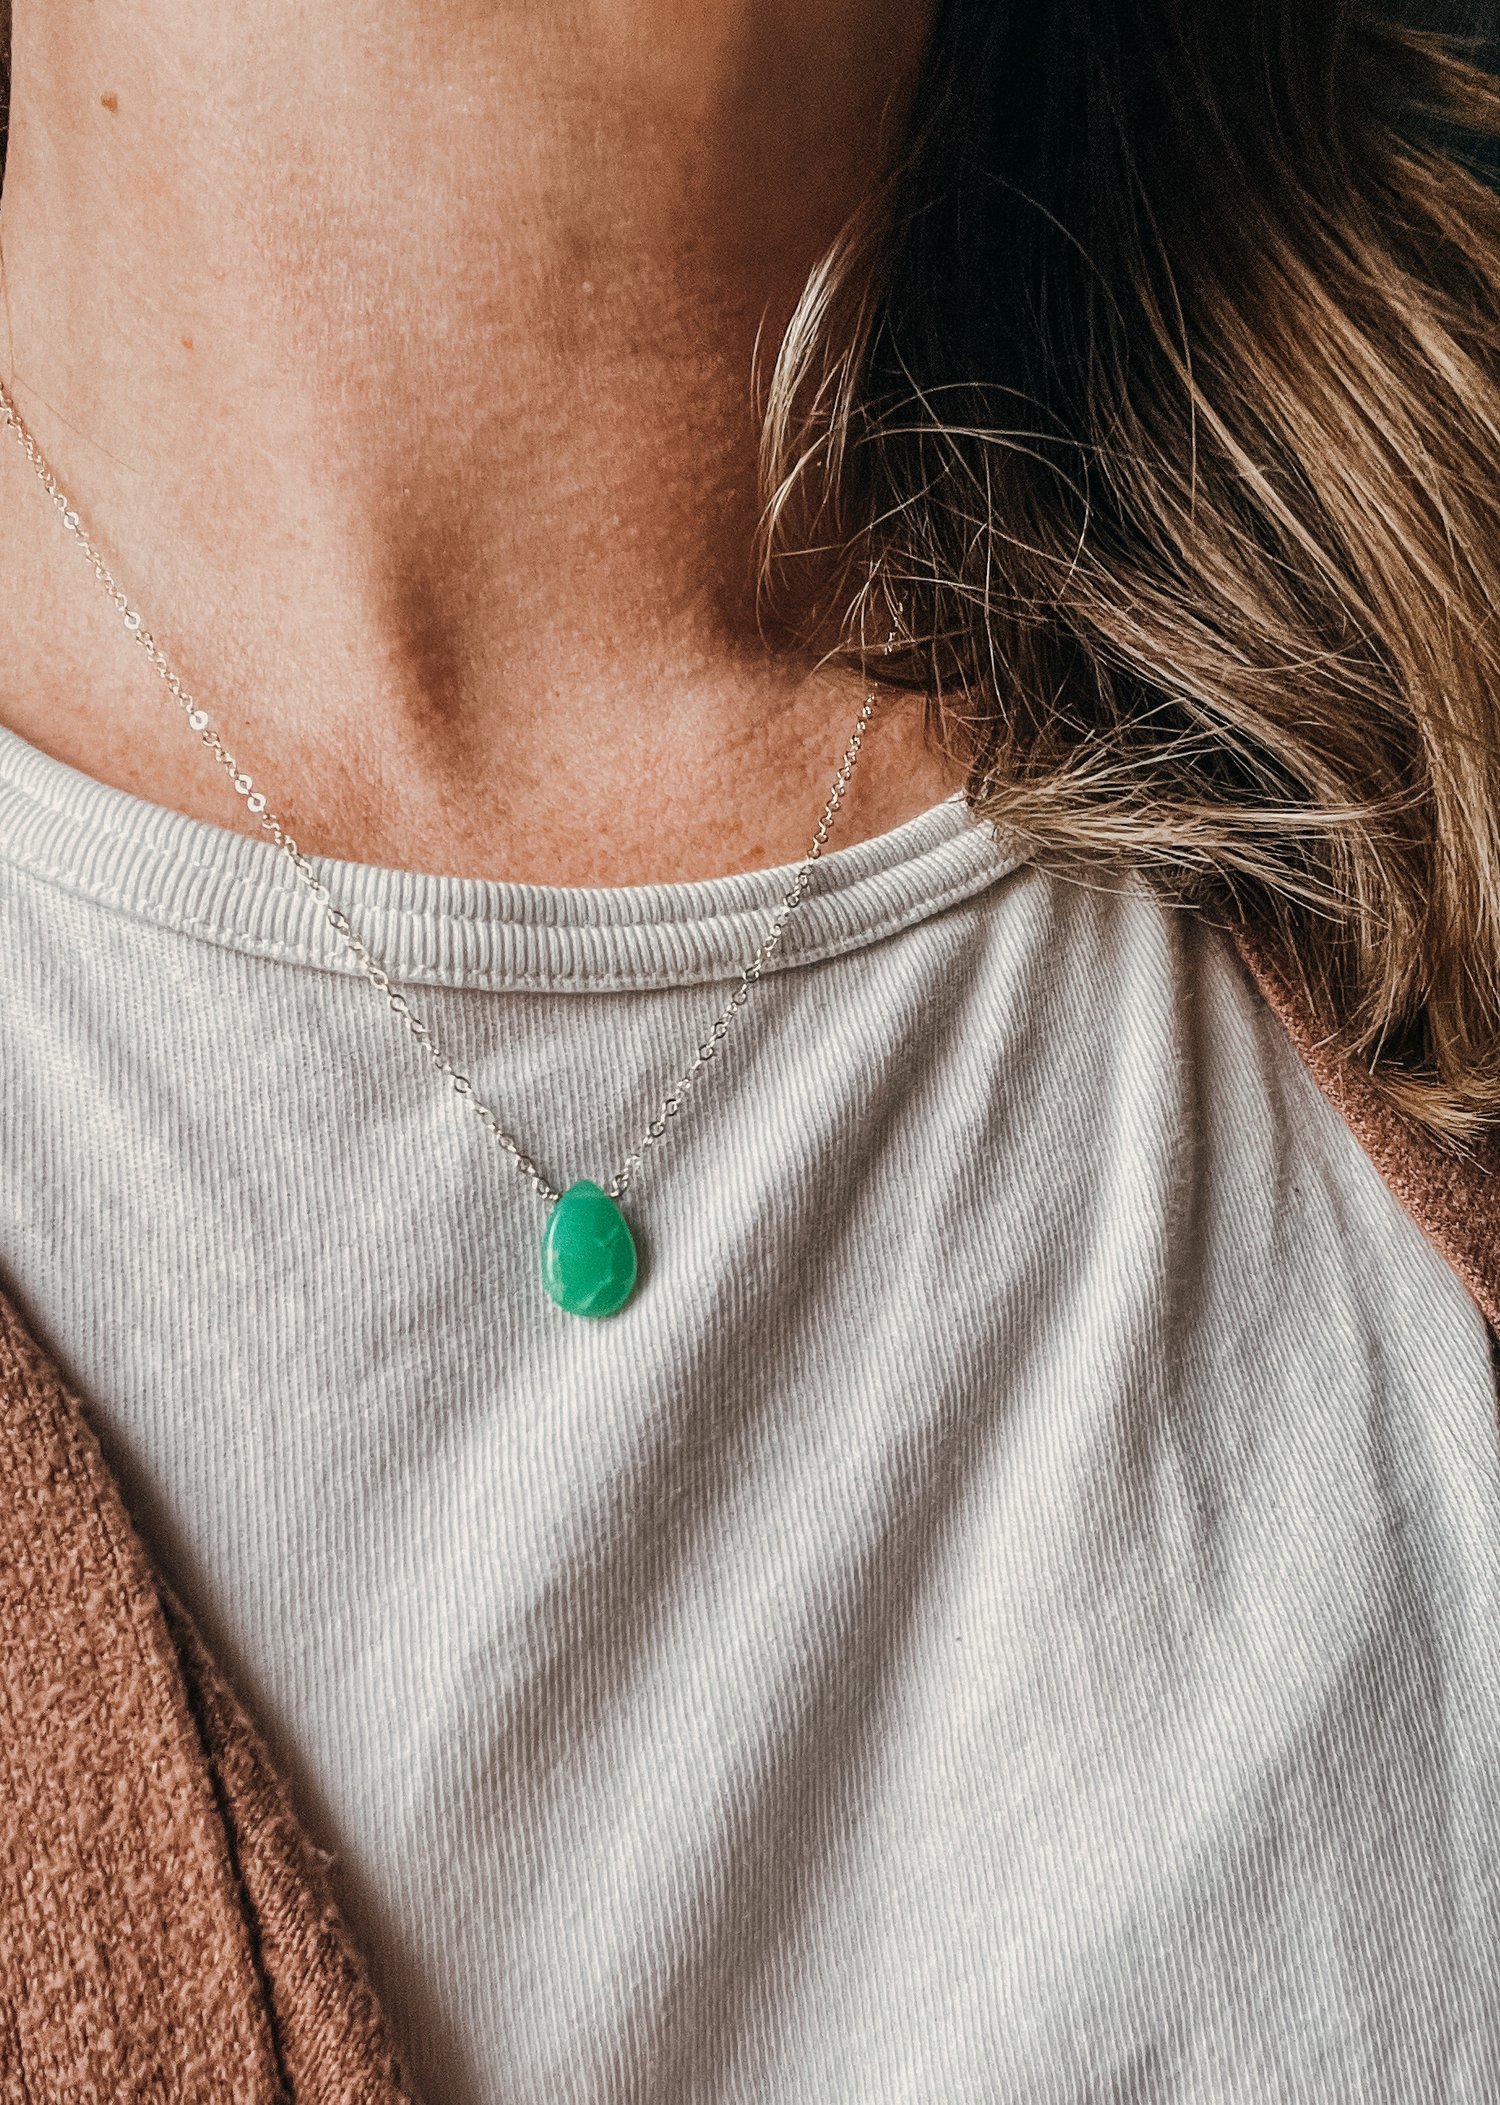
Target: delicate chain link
x=369, y=966
x=708, y=1047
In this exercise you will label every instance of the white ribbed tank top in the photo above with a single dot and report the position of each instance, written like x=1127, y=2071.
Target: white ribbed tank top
x=1010, y=1610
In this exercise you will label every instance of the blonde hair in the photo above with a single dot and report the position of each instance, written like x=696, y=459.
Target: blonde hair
x=1157, y=397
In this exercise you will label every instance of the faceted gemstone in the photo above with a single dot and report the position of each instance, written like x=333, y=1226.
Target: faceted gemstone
x=588, y=1252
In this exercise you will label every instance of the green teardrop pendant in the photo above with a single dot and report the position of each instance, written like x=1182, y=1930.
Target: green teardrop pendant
x=588, y=1252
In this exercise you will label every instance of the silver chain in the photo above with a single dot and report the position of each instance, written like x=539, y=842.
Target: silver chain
x=370, y=968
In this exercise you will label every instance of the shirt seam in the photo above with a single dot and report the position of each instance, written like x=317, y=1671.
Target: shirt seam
x=201, y=929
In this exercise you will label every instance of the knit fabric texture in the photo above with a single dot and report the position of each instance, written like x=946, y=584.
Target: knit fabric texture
x=168, y=1928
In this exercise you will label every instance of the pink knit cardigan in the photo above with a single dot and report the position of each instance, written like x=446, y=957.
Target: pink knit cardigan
x=167, y=1930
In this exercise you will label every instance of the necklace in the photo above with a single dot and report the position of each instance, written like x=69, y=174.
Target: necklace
x=588, y=1252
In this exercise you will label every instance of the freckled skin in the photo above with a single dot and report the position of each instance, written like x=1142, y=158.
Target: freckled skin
x=511, y=504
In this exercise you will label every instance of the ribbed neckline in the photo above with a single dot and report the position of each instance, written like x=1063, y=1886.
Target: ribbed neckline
x=229, y=888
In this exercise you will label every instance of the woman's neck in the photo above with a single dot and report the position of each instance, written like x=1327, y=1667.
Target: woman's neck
x=400, y=356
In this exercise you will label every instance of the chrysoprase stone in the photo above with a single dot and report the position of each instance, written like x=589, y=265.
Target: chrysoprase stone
x=588, y=1252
